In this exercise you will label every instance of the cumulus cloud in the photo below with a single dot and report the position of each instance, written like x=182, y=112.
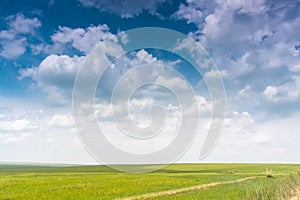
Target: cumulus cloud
x=232, y=17
x=81, y=39
x=254, y=43
x=55, y=75
x=125, y=9
x=192, y=13
x=249, y=40
x=233, y=28
x=136, y=93
x=20, y=24
x=143, y=57
x=55, y=70
x=13, y=40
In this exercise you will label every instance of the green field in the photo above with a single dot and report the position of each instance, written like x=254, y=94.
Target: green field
x=100, y=182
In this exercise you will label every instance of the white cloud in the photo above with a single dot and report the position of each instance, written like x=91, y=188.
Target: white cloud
x=7, y=35
x=270, y=92
x=21, y=24
x=13, y=40
x=262, y=34
x=126, y=8
x=242, y=66
x=254, y=47
x=138, y=110
x=174, y=82
x=211, y=16
x=40, y=143
x=103, y=111
x=191, y=14
x=239, y=123
x=288, y=92
x=256, y=6
x=143, y=56
x=274, y=140
x=256, y=43
x=233, y=29
x=37, y=48
x=219, y=27
x=280, y=50
x=204, y=106
x=13, y=49
x=57, y=70
x=82, y=39
x=17, y=125
x=213, y=74
x=55, y=75
x=62, y=121
x=138, y=107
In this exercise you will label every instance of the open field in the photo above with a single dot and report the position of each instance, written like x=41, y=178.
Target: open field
x=180, y=181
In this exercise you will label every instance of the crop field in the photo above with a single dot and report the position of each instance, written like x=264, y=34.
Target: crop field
x=179, y=181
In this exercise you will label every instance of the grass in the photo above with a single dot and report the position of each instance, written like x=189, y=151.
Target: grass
x=100, y=182
x=280, y=188
x=259, y=189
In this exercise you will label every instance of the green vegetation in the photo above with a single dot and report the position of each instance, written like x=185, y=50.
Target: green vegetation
x=100, y=182
x=274, y=189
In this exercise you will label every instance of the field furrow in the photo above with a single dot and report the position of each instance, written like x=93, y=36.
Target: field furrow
x=183, y=190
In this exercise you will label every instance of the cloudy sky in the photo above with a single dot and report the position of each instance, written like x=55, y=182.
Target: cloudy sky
x=255, y=45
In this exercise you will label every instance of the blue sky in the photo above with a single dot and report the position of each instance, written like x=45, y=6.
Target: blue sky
x=254, y=44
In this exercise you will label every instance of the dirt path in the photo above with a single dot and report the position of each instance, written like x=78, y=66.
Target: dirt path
x=186, y=189
x=296, y=194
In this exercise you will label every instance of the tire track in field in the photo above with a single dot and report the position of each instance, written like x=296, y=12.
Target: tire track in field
x=186, y=189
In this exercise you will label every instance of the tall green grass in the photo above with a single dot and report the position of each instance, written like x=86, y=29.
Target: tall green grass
x=274, y=188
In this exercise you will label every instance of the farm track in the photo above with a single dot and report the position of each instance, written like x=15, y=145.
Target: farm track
x=186, y=189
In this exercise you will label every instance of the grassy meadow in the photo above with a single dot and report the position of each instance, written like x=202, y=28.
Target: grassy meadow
x=101, y=182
